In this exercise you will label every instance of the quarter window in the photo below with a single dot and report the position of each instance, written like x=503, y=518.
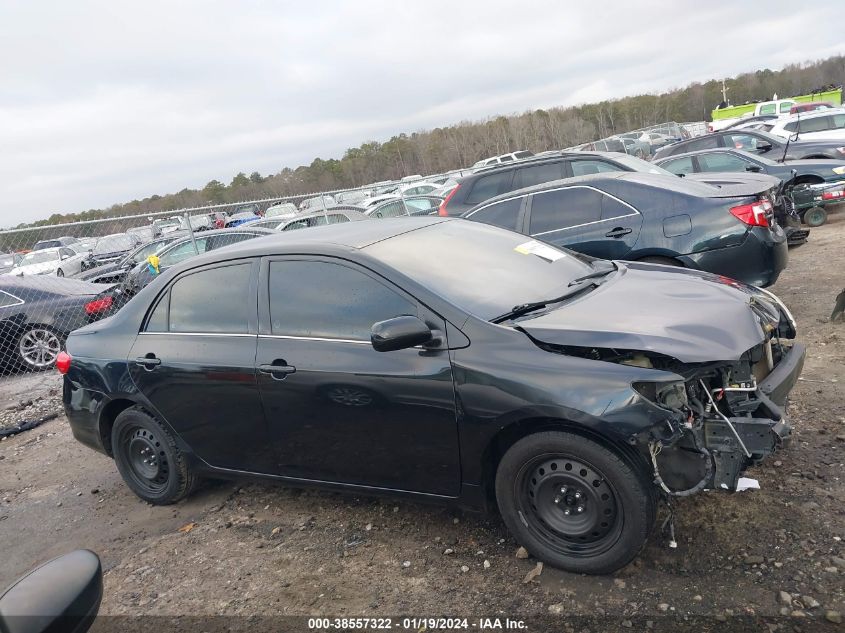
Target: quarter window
x=583, y=167
x=325, y=300
x=564, y=208
x=7, y=300
x=613, y=208
x=504, y=214
x=212, y=300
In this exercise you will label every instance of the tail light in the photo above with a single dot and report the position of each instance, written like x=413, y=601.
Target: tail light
x=441, y=210
x=97, y=306
x=833, y=195
x=63, y=362
x=754, y=214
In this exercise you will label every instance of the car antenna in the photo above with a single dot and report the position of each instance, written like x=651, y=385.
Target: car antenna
x=789, y=138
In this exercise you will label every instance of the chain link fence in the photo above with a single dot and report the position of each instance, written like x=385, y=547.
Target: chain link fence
x=58, y=277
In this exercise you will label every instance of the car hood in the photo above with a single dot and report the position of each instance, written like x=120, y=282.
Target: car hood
x=91, y=273
x=35, y=269
x=691, y=316
x=736, y=185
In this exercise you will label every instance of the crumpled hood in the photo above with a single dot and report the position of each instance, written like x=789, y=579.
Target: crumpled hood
x=691, y=316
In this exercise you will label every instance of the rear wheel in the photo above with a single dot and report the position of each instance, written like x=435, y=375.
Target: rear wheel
x=666, y=261
x=574, y=503
x=150, y=462
x=815, y=216
x=38, y=347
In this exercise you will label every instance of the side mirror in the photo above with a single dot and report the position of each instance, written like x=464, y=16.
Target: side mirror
x=754, y=168
x=399, y=333
x=62, y=595
x=764, y=147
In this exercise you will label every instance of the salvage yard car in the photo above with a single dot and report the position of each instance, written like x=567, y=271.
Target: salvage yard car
x=728, y=230
x=443, y=360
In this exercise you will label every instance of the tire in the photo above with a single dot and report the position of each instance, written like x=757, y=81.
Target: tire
x=665, y=261
x=537, y=486
x=148, y=459
x=815, y=216
x=60, y=273
x=38, y=346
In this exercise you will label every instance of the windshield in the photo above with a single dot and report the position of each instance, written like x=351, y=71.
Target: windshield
x=39, y=257
x=113, y=244
x=480, y=268
x=638, y=164
x=7, y=261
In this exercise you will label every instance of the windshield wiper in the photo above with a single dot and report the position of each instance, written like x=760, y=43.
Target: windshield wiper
x=525, y=308
x=602, y=272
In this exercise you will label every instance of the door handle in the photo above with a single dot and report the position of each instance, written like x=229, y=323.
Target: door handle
x=618, y=232
x=279, y=369
x=148, y=362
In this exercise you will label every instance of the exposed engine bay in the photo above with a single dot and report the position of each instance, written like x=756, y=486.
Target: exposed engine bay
x=722, y=416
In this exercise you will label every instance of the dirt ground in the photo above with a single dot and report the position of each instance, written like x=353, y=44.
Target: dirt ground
x=257, y=549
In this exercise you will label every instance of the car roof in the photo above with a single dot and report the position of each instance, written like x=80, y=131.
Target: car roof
x=344, y=236
x=551, y=156
x=709, y=150
x=803, y=116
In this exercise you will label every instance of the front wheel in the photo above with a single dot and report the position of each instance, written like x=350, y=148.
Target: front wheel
x=574, y=503
x=150, y=462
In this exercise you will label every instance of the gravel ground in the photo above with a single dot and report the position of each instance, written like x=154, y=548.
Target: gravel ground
x=763, y=560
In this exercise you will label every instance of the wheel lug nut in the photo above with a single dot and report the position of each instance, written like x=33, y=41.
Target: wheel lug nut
x=563, y=490
x=557, y=499
x=567, y=512
x=579, y=509
x=577, y=495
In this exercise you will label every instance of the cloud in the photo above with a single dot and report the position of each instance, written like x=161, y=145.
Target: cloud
x=103, y=102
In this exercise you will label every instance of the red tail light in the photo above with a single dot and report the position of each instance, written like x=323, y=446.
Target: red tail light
x=63, y=362
x=833, y=195
x=754, y=214
x=98, y=305
x=441, y=210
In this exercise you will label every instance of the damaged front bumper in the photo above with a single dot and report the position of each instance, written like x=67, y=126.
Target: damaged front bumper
x=732, y=422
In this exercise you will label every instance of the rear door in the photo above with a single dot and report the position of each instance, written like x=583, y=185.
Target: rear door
x=584, y=219
x=194, y=362
x=338, y=410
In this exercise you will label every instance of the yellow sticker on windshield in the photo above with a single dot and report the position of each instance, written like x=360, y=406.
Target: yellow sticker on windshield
x=544, y=251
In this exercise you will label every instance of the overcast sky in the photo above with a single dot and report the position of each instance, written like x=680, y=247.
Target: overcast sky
x=103, y=103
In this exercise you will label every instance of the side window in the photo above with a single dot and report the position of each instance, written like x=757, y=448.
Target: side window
x=505, y=158
x=564, y=208
x=769, y=108
x=489, y=186
x=7, y=300
x=679, y=165
x=785, y=107
x=838, y=121
x=67, y=252
x=816, y=124
x=536, y=175
x=705, y=142
x=219, y=241
x=583, y=167
x=613, y=208
x=182, y=252
x=791, y=127
x=722, y=161
x=741, y=141
x=391, y=210
x=298, y=224
x=504, y=214
x=305, y=295
x=213, y=300
x=337, y=218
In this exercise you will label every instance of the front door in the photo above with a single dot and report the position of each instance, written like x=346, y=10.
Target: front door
x=194, y=362
x=337, y=410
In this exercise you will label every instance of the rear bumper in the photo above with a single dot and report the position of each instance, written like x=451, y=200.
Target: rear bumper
x=82, y=408
x=758, y=261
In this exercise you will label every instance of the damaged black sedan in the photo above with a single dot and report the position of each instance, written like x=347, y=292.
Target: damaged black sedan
x=445, y=360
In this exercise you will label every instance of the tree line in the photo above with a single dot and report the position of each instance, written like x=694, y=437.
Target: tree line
x=460, y=145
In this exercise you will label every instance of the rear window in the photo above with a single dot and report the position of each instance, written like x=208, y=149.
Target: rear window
x=489, y=186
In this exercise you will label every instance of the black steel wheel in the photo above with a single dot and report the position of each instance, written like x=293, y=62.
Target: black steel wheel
x=574, y=503
x=150, y=462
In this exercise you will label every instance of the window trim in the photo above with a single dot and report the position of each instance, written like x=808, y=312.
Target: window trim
x=529, y=209
x=265, y=327
x=20, y=301
x=164, y=295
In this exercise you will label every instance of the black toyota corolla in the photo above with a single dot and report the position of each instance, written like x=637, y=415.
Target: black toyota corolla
x=446, y=360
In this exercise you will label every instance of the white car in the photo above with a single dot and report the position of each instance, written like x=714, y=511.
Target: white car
x=504, y=158
x=820, y=125
x=61, y=261
x=371, y=202
x=281, y=210
x=418, y=188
